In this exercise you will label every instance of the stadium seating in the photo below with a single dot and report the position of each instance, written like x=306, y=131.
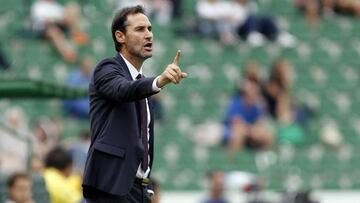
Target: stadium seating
x=327, y=75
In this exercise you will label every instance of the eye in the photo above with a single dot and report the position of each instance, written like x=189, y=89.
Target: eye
x=139, y=28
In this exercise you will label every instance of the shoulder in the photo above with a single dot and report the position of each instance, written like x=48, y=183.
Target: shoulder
x=108, y=64
x=110, y=68
x=107, y=61
x=53, y=177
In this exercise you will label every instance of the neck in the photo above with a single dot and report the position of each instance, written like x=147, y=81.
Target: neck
x=135, y=61
x=250, y=100
x=216, y=196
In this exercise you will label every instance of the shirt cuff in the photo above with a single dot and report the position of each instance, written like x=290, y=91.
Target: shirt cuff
x=155, y=88
x=151, y=192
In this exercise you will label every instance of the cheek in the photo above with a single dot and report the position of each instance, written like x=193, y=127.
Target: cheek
x=136, y=41
x=135, y=48
x=19, y=193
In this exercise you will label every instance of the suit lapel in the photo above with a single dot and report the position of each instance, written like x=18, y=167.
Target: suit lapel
x=150, y=102
x=151, y=140
x=123, y=65
x=120, y=61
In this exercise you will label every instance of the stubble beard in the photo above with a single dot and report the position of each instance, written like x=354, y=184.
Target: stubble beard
x=141, y=54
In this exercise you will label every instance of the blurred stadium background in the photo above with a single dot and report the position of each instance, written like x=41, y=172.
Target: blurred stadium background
x=327, y=69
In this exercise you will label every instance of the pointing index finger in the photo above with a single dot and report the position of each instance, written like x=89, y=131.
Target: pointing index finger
x=177, y=58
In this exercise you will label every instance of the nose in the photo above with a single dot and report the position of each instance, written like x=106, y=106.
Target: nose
x=149, y=35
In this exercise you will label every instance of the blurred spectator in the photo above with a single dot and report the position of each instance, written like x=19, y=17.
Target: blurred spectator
x=215, y=20
x=279, y=84
x=80, y=78
x=279, y=87
x=14, y=131
x=177, y=10
x=160, y=10
x=255, y=28
x=314, y=9
x=347, y=7
x=298, y=197
x=231, y=20
x=4, y=63
x=51, y=20
x=79, y=149
x=158, y=107
x=47, y=134
x=245, y=121
x=15, y=119
x=217, y=184
x=62, y=187
x=290, y=116
x=252, y=71
x=19, y=189
x=288, y=130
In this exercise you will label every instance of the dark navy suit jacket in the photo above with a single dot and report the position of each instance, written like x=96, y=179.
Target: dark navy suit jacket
x=116, y=148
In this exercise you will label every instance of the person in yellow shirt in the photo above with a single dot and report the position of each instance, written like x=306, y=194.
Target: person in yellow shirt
x=61, y=185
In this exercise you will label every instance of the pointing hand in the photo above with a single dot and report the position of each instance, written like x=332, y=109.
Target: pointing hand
x=172, y=73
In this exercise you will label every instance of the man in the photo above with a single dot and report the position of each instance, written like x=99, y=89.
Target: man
x=245, y=121
x=80, y=77
x=217, y=184
x=19, y=188
x=121, y=152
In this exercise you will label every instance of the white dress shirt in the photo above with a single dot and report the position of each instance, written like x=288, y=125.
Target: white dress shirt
x=134, y=73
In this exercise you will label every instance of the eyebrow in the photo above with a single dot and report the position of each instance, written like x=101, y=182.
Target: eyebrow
x=142, y=26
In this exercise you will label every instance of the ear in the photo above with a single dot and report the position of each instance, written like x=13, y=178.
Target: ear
x=120, y=36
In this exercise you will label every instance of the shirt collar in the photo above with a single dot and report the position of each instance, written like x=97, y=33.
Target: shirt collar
x=133, y=71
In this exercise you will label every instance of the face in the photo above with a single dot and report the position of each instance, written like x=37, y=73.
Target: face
x=138, y=38
x=285, y=72
x=252, y=70
x=68, y=171
x=218, y=181
x=21, y=191
x=251, y=90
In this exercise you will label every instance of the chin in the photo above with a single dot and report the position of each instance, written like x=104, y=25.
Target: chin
x=146, y=56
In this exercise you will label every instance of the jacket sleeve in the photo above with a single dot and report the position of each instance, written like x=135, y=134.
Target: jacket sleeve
x=110, y=81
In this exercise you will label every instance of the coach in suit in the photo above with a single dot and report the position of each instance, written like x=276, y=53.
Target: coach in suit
x=121, y=152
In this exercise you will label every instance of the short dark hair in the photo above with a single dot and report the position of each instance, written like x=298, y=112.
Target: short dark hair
x=58, y=158
x=13, y=178
x=119, y=21
x=210, y=174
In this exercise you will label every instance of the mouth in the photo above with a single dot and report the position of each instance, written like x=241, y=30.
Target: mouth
x=148, y=46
